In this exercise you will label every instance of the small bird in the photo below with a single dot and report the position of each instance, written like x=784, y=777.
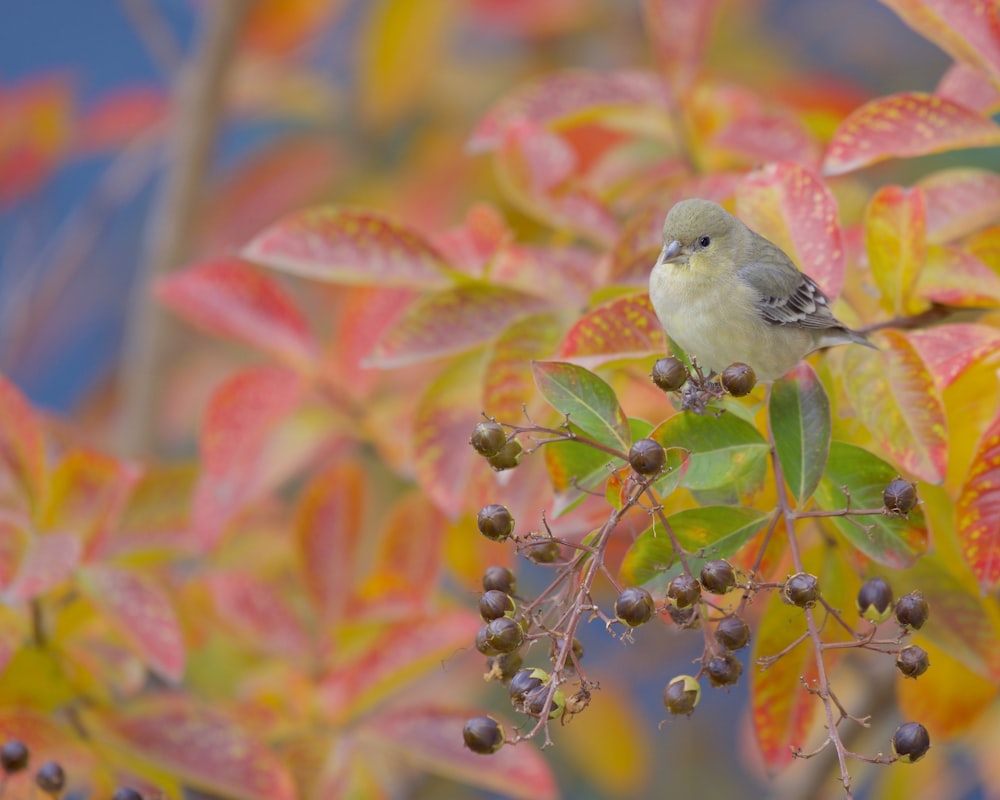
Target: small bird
x=727, y=294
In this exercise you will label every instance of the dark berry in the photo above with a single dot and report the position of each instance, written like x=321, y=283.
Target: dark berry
x=483, y=735
x=495, y=604
x=912, y=610
x=684, y=617
x=682, y=695
x=647, y=456
x=910, y=742
x=669, y=373
x=718, y=576
x=875, y=599
x=482, y=642
x=508, y=457
x=738, y=379
x=723, y=669
x=125, y=793
x=544, y=551
x=50, y=777
x=900, y=497
x=499, y=578
x=524, y=682
x=684, y=590
x=503, y=667
x=912, y=661
x=13, y=755
x=534, y=702
x=732, y=633
x=801, y=589
x=634, y=606
x=495, y=522
x=504, y=635
x=488, y=438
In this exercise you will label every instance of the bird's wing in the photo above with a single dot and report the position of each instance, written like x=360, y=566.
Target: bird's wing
x=786, y=296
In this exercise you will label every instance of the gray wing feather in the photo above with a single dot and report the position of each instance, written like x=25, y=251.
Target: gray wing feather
x=788, y=297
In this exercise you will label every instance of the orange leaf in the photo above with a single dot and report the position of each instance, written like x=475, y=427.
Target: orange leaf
x=960, y=201
x=343, y=245
x=243, y=411
x=967, y=87
x=46, y=562
x=626, y=327
x=228, y=297
x=329, y=525
x=507, y=381
x=903, y=126
x=794, y=208
x=896, y=241
x=894, y=395
x=955, y=278
x=142, y=611
x=949, y=350
x=201, y=747
x=22, y=444
x=275, y=26
x=967, y=30
x=977, y=510
x=679, y=31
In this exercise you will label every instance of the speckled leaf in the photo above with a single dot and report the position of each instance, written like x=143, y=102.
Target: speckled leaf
x=709, y=532
x=963, y=85
x=345, y=245
x=203, y=748
x=679, y=31
x=431, y=739
x=955, y=278
x=141, y=609
x=891, y=540
x=799, y=414
x=896, y=242
x=228, y=297
x=396, y=655
x=794, y=208
x=586, y=399
x=977, y=510
x=949, y=350
x=551, y=271
x=894, y=395
x=572, y=96
x=22, y=443
x=623, y=328
x=767, y=135
x=451, y=321
x=46, y=562
x=960, y=201
x=905, y=125
x=967, y=30
x=507, y=380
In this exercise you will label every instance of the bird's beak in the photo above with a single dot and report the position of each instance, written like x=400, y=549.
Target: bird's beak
x=670, y=252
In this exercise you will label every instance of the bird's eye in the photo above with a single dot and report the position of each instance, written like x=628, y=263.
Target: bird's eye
x=704, y=241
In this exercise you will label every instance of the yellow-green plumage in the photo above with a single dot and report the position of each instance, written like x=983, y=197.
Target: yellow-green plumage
x=727, y=294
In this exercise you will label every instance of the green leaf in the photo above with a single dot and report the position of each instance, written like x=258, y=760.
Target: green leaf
x=586, y=399
x=799, y=415
x=707, y=532
x=728, y=455
x=890, y=540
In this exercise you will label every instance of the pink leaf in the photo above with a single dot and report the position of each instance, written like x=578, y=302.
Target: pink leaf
x=960, y=201
x=142, y=611
x=794, y=208
x=22, y=444
x=48, y=560
x=230, y=298
x=905, y=125
x=955, y=278
x=679, y=30
x=949, y=350
x=963, y=85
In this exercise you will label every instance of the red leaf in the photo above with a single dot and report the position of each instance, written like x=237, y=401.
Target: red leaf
x=329, y=526
x=471, y=246
x=201, y=748
x=967, y=30
x=896, y=242
x=768, y=136
x=241, y=414
x=48, y=560
x=794, y=208
x=258, y=612
x=142, y=611
x=905, y=125
x=569, y=96
x=431, y=738
x=451, y=321
x=679, y=31
x=626, y=327
x=977, y=511
x=963, y=85
x=949, y=350
x=22, y=444
x=344, y=245
x=121, y=115
x=230, y=298
x=960, y=201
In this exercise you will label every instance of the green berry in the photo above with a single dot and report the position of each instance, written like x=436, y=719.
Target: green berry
x=508, y=457
x=488, y=438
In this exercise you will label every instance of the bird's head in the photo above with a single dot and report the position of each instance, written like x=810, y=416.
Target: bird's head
x=695, y=227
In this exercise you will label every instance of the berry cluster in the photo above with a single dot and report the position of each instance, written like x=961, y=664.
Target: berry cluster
x=50, y=777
